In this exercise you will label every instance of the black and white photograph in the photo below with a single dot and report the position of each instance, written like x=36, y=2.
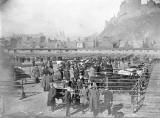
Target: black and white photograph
x=79, y=58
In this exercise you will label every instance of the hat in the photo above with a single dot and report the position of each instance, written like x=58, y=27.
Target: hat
x=106, y=88
x=81, y=76
x=94, y=85
x=51, y=84
x=69, y=89
x=55, y=85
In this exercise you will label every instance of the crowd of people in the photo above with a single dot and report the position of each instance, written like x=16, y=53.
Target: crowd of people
x=74, y=77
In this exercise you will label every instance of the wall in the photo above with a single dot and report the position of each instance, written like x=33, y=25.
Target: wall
x=79, y=44
x=104, y=44
x=71, y=44
x=89, y=44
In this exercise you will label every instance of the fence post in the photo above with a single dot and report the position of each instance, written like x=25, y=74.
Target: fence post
x=132, y=100
x=2, y=105
x=134, y=97
x=106, y=81
x=23, y=95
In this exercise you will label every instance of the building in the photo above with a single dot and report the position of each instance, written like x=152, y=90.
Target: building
x=144, y=2
x=136, y=43
x=79, y=44
x=51, y=43
x=89, y=44
x=122, y=44
x=31, y=41
x=151, y=4
x=104, y=44
x=131, y=44
x=71, y=44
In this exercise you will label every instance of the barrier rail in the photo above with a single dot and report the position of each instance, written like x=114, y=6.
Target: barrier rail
x=2, y=105
x=138, y=93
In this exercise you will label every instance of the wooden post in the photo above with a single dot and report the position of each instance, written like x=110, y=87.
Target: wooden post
x=22, y=92
x=2, y=105
x=3, y=111
x=15, y=51
x=132, y=100
x=106, y=81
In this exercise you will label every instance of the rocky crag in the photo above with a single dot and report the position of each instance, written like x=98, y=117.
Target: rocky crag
x=136, y=25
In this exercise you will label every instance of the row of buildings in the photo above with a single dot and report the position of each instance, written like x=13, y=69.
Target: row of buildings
x=41, y=41
x=91, y=42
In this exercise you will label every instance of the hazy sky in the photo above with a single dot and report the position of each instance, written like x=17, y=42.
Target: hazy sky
x=74, y=17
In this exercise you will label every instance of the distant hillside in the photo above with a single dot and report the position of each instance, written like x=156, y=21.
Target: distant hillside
x=136, y=26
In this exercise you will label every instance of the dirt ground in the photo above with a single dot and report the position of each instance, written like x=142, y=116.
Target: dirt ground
x=35, y=105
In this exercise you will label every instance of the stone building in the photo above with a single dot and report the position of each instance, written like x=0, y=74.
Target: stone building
x=104, y=44
x=51, y=43
x=71, y=44
x=31, y=41
x=80, y=44
x=89, y=44
x=136, y=43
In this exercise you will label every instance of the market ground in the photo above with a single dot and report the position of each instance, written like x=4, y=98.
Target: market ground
x=34, y=106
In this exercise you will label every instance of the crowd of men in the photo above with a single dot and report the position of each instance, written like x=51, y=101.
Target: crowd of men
x=75, y=79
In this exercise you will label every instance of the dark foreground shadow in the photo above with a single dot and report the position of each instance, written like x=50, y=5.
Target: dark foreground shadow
x=79, y=108
x=115, y=111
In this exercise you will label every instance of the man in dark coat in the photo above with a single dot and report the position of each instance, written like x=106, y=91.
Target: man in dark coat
x=45, y=80
x=93, y=98
x=66, y=74
x=79, y=84
x=108, y=99
x=33, y=62
x=73, y=83
x=51, y=97
x=76, y=73
x=67, y=100
x=91, y=72
x=57, y=76
x=36, y=74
